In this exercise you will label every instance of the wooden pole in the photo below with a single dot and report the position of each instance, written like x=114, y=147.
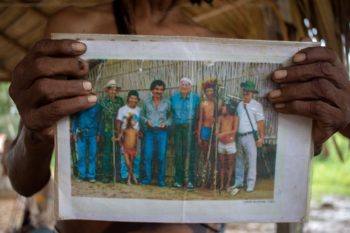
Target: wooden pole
x=289, y=227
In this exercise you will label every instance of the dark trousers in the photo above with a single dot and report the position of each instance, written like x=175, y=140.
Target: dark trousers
x=185, y=154
x=107, y=162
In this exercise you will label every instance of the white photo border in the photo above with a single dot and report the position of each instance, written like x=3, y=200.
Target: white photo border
x=294, y=143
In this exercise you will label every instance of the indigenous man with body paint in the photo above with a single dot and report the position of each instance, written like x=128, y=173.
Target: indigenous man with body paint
x=209, y=107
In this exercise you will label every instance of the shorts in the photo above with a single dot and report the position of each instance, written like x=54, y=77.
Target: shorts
x=130, y=151
x=205, y=133
x=227, y=149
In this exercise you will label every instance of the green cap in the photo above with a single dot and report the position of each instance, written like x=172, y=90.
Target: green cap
x=249, y=86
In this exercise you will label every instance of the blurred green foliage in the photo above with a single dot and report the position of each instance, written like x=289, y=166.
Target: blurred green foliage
x=331, y=176
x=9, y=117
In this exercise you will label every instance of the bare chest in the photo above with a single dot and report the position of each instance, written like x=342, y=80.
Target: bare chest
x=208, y=108
x=227, y=123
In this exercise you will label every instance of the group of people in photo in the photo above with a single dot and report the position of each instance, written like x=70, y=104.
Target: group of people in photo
x=137, y=136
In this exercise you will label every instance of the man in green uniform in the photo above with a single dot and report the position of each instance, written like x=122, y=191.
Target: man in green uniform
x=110, y=105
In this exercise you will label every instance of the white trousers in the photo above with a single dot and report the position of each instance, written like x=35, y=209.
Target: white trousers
x=248, y=151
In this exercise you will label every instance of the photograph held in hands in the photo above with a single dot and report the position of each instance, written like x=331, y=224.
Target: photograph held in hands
x=183, y=125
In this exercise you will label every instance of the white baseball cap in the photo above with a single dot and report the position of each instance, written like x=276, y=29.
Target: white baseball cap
x=187, y=80
x=111, y=83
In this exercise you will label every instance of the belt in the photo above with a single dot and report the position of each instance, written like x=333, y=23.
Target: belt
x=244, y=134
x=184, y=125
x=157, y=128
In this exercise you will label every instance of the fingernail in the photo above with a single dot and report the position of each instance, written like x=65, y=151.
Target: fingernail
x=275, y=93
x=280, y=74
x=279, y=106
x=299, y=57
x=92, y=99
x=87, y=86
x=78, y=47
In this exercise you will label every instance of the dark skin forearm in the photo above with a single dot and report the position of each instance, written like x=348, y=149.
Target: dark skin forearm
x=29, y=162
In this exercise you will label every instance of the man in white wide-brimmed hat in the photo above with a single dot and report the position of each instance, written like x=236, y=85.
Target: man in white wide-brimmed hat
x=110, y=105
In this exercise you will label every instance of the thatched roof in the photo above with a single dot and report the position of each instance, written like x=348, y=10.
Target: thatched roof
x=23, y=22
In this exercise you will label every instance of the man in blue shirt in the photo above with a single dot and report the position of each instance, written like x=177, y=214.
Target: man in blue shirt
x=184, y=106
x=86, y=130
x=156, y=119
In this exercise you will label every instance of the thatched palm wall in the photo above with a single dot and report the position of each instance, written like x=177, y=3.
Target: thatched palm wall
x=139, y=75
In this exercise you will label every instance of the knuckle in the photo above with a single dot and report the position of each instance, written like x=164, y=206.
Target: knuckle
x=294, y=106
x=41, y=46
x=47, y=46
x=19, y=71
x=331, y=54
x=55, y=111
x=75, y=87
x=288, y=93
x=29, y=121
x=39, y=65
x=39, y=86
x=317, y=109
x=294, y=72
x=42, y=88
x=72, y=66
x=321, y=88
x=322, y=109
x=326, y=68
x=327, y=115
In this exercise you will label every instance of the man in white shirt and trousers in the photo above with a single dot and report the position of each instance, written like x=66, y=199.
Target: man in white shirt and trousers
x=250, y=136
